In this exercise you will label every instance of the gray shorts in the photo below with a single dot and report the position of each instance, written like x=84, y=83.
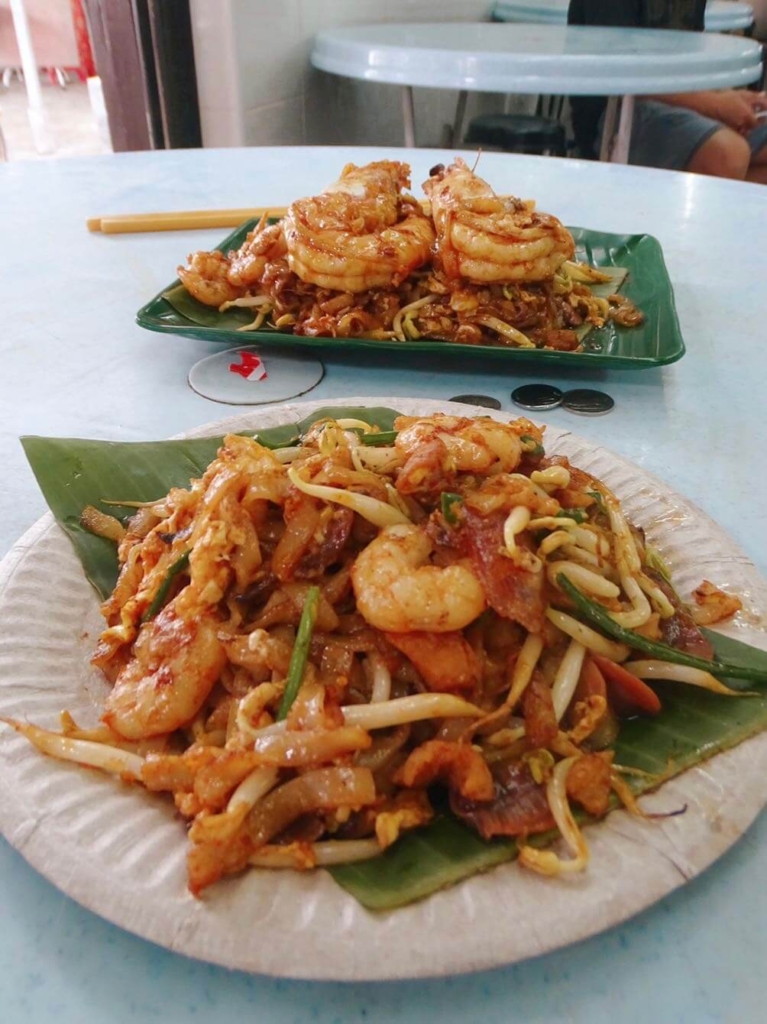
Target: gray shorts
x=669, y=137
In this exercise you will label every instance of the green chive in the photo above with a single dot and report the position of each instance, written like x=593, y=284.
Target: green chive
x=161, y=596
x=300, y=654
x=537, y=449
x=599, y=617
x=654, y=561
x=580, y=515
x=446, y=502
x=291, y=442
x=596, y=495
x=381, y=437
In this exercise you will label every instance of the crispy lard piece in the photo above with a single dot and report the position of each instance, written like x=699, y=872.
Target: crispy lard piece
x=445, y=661
x=538, y=711
x=512, y=591
x=518, y=806
x=588, y=782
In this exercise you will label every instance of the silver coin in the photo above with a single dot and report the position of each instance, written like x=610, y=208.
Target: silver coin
x=537, y=396
x=484, y=400
x=587, y=402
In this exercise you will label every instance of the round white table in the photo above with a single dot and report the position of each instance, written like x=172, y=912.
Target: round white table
x=721, y=15
x=75, y=364
x=540, y=60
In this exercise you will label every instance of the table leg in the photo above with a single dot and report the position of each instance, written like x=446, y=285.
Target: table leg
x=620, y=153
x=408, y=115
x=460, y=114
x=35, y=107
x=608, y=131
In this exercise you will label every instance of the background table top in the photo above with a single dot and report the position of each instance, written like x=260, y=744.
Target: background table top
x=74, y=364
x=721, y=15
x=549, y=59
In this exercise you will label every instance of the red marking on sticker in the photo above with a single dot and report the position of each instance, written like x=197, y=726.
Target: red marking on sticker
x=250, y=366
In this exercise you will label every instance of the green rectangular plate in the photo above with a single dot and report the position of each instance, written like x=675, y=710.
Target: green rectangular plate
x=656, y=342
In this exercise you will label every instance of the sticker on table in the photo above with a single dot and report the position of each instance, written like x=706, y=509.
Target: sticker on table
x=247, y=375
x=250, y=366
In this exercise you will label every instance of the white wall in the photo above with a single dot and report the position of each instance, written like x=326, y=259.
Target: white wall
x=256, y=86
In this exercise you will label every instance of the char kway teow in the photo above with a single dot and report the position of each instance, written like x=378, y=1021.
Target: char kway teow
x=317, y=648
x=364, y=259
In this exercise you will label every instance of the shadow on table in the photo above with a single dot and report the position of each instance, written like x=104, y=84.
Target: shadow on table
x=520, y=369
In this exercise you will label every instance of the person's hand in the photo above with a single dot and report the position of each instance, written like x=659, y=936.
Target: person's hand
x=738, y=108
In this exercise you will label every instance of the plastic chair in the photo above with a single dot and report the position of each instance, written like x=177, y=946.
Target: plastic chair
x=540, y=133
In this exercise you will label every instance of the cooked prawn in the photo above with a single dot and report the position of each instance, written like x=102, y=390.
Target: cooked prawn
x=176, y=662
x=397, y=590
x=471, y=445
x=485, y=238
x=361, y=232
x=205, y=278
x=265, y=243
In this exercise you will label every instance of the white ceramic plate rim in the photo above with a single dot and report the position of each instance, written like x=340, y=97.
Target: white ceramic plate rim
x=121, y=852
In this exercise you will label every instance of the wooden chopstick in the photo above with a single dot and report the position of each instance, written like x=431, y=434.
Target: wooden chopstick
x=181, y=220
x=185, y=220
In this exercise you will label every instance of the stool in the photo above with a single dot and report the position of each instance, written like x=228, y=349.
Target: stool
x=518, y=133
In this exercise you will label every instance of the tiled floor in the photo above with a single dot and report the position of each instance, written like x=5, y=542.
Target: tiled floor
x=71, y=123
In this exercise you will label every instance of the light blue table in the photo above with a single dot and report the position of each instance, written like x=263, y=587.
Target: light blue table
x=75, y=364
x=721, y=15
x=548, y=60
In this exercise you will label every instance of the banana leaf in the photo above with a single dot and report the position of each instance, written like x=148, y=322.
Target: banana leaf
x=693, y=725
x=207, y=316
x=73, y=473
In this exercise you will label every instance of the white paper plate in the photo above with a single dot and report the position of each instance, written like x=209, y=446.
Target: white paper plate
x=121, y=852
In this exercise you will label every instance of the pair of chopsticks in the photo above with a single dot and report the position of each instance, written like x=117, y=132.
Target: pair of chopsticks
x=185, y=220
x=181, y=220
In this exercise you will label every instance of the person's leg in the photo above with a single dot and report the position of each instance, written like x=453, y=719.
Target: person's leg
x=757, y=170
x=724, y=154
x=668, y=136
x=680, y=139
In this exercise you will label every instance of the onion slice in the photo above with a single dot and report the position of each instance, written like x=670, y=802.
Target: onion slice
x=101, y=525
